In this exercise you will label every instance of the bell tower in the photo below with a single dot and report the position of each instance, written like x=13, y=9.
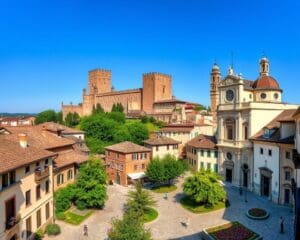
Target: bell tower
x=264, y=66
x=215, y=79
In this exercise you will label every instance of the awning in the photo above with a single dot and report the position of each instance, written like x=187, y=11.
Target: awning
x=138, y=175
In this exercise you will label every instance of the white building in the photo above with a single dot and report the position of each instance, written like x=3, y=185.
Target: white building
x=273, y=165
x=243, y=108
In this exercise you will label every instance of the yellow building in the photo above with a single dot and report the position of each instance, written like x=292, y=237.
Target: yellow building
x=26, y=189
x=162, y=146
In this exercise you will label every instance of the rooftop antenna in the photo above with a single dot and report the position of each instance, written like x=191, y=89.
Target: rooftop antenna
x=231, y=59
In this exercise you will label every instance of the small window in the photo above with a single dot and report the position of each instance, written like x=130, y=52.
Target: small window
x=270, y=152
x=216, y=167
x=47, y=211
x=208, y=153
x=143, y=166
x=47, y=162
x=157, y=148
x=276, y=95
x=5, y=180
x=287, y=155
x=287, y=175
x=28, y=198
x=38, y=192
x=202, y=153
x=118, y=155
x=27, y=169
x=216, y=154
x=263, y=96
x=167, y=147
x=70, y=174
x=47, y=186
x=229, y=155
x=261, y=151
x=37, y=164
x=135, y=167
x=134, y=156
x=38, y=218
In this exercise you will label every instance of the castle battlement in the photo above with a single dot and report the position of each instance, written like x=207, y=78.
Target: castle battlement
x=100, y=70
x=157, y=74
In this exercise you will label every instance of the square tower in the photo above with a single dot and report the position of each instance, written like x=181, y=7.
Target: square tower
x=156, y=87
x=99, y=81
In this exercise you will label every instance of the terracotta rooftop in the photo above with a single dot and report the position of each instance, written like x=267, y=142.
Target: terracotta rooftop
x=161, y=141
x=203, y=142
x=173, y=100
x=266, y=82
x=127, y=147
x=177, y=128
x=55, y=127
x=13, y=156
x=38, y=136
x=274, y=126
x=69, y=157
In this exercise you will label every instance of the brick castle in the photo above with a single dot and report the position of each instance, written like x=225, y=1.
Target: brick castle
x=154, y=98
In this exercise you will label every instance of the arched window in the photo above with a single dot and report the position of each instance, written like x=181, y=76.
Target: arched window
x=245, y=131
x=229, y=129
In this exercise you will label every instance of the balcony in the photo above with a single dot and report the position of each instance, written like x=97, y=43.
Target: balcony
x=12, y=227
x=41, y=174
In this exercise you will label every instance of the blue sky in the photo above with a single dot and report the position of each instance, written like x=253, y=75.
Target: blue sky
x=46, y=49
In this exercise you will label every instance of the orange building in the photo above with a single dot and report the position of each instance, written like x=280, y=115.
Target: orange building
x=126, y=162
x=155, y=98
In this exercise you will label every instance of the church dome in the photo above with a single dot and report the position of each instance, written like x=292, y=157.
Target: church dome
x=215, y=67
x=266, y=82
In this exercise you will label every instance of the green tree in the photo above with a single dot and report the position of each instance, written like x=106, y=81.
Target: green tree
x=204, y=187
x=64, y=197
x=97, y=109
x=46, y=116
x=118, y=107
x=99, y=126
x=91, y=185
x=139, y=200
x=164, y=170
x=95, y=145
x=121, y=134
x=117, y=116
x=138, y=132
x=60, y=117
x=129, y=228
x=72, y=119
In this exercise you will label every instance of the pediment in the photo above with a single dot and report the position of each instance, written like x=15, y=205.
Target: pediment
x=229, y=80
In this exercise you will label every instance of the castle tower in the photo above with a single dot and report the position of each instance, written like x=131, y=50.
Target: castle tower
x=156, y=87
x=99, y=81
x=264, y=67
x=215, y=79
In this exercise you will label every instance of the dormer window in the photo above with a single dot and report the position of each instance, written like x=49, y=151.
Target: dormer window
x=266, y=133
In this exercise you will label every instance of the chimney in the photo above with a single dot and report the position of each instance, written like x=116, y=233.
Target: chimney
x=23, y=140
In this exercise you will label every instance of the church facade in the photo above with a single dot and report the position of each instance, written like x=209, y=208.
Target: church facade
x=154, y=98
x=240, y=109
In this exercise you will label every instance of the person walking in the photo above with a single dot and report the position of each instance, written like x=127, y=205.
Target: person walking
x=85, y=230
x=281, y=225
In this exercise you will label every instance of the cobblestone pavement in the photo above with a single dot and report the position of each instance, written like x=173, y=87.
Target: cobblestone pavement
x=171, y=216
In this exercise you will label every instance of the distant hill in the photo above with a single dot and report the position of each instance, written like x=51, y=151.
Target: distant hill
x=16, y=114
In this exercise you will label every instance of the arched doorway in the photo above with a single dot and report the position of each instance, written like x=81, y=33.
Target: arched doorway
x=228, y=166
x=265, y=181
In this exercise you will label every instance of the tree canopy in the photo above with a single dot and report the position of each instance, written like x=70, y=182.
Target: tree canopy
x=204, y=187
x=46, y=116
x=91, y=188
x=118, y=107
x=109, y=128
x=72, y=119
x=97, y=109
x=164, y=170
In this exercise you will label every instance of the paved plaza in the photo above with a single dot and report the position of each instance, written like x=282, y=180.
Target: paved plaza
x=171, y=216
